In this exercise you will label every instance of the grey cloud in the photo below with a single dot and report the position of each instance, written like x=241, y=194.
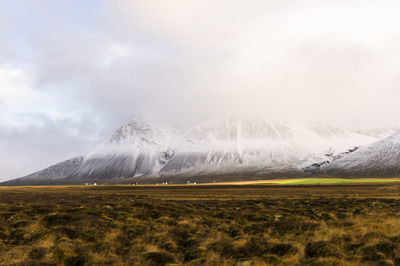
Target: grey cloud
x=44, y=141
x=192, y=60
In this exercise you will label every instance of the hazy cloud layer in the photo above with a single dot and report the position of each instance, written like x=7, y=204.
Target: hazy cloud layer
x=73, y=71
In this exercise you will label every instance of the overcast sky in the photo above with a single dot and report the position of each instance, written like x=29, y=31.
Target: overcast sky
x=72, y=71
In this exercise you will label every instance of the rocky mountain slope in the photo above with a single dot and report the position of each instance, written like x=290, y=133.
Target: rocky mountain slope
x=144, y=148
x=257, y=144
x=139, y=147
x=378, y=159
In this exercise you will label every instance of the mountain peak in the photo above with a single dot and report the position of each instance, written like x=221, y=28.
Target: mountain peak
x=231, y=145
x=139, y=129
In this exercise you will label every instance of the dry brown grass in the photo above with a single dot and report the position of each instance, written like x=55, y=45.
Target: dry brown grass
x=208, y=225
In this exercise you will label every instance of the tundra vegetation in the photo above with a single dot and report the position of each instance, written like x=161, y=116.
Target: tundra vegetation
x=346, y=224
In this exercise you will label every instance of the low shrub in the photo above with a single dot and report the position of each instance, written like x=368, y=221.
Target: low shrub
x=321, y=249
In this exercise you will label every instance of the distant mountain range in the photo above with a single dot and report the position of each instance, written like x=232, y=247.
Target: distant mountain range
x=234, y=148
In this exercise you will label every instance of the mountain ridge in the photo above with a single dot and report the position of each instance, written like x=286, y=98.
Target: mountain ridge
x=380, y=158
x=233, y=146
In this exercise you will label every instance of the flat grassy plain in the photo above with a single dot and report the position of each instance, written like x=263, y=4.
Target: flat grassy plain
x=253, y=224
x=322, y=181
x=313, y=181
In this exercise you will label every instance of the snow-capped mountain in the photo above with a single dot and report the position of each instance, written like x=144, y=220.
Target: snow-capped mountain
x=144, y=148
x=378, y=159
x=258, y=144
x=139, y=147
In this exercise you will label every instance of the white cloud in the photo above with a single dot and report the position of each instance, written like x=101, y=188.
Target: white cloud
x=34, y=130
x=14, y=84
x=188, y=60
x=312, y=60
x=19, y=97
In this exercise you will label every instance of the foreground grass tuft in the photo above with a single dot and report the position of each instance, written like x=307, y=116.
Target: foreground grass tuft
x=186, y=226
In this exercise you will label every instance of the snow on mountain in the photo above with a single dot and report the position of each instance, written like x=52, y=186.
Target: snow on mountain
x=139, y=147
x=258, y=144
x=146, y=148
x=60, y=171
x=378, y=159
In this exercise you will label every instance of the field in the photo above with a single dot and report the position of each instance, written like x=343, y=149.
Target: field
x=305, y=181
x=253, y=224
x=314, y=181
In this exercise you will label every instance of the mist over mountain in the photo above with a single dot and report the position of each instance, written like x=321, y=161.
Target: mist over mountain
x=258, y=145
x=230, y=146
x=380, y=133
x=76, y=70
